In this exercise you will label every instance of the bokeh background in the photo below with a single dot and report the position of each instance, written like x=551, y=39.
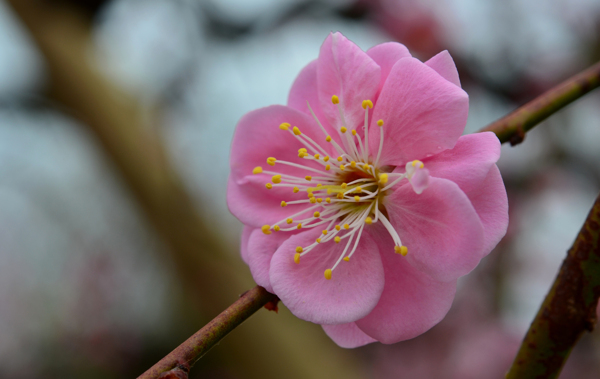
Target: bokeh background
x=115, y=125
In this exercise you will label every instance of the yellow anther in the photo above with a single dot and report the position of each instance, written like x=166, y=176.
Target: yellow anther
x=326, y=158
x=276, y=179
x=299, y=226
x=383, y=178
x=352, y=164
x=368, y=221
x=356, y=198
x=328, y=200
x=402, y=250
x=337, y=239
x=302, y=150
x=328, y=139
x=271, y=161
x=340, y=195
x=319, y=185
x=335, y=99
x=317, y=214
x=344, y=185
x=313, y=200
x=343, y=129
x=284, y=126
x=310, y=194
x=283, y=203
x=319, y=200
x=296, y=131
x=308, y=177
x=327, y=168
x=257, y=170
x=353, y=132
x=289, y=220
x=328, y=274
x=302, y=155
x=340, y=159
x=358, y=189
x=296, y=189
x=380, y=122
x=276, y=228
x=346, y=226
x=415, y=163
x=342, y=167
x=367, y=103
x=318, y=240
x=365, y=167
x=347, y=259
x=297, y=258
x=299, y=249
x=325, y=232
x=266, y=229
x=329, y=191
x=269, y=185
x=337, y=227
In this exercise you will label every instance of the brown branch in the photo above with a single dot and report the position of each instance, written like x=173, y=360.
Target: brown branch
x=569, y=309
x=512, y=128
x=197, y=345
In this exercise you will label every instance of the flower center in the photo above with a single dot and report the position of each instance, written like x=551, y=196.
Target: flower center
x=345, y=192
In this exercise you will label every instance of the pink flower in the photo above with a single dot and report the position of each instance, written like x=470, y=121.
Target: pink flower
x=361, y=201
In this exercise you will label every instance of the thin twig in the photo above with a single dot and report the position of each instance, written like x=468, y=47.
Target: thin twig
x=207, y=337
x=512, y=128
x=569, y=309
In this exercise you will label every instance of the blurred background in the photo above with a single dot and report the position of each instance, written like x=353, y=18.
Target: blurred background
x=115, y=124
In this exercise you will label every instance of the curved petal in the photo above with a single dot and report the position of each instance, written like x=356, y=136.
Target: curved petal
x=261, y=248
x=411, y=302
x=423, y=114
x=246, y=231
x=386, y=55
x=444, y=65
x=491, y=203
x=440, y=228
x=349, y=295
x=256, y=138
x=468, y=163
x=346, y=71
x=347, y=335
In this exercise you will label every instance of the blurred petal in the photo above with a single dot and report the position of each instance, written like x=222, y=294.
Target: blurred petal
x=246, y=231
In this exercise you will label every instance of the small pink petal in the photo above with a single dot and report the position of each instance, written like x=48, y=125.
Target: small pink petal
x=423, y=114
x=346, y=71
x=417, y=176
x=440, y=228
x=246, y=231
x=347, y=335
x=411, y=302
x=349, y=295
x=444, y=65
x=386, y=55
x=261, y=248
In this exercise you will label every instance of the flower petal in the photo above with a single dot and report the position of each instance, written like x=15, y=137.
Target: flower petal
x=347, y=335
x=346, y=71
x=411, y=302
x=256, y=138
x=444, y=65
x=440, y=227
x=423, y=113
x=246, y=231
x=261, y=248
x=386, y=55
x=349, y=295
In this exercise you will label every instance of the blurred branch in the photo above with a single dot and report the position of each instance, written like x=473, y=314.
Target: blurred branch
x=197, y=345
x=569, y=309
x=210, y=273
x=512, y=128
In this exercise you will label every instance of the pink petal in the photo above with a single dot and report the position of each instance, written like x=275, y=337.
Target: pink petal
x=246, y=231
x=386, y=55
x=349, y=295
x=444, y=65
x=346, y=71
x=411, y=302
x=440, y=228
x=261, y=248
x=256, y=138
x=491, y=203
x=423, y=114
x=347, y=335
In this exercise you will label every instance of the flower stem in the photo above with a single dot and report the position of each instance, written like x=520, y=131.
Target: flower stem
x=512, y=128
x=203, y=340
x=568, y=310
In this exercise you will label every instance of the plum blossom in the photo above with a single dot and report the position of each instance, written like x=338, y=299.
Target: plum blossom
x=362, y=202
